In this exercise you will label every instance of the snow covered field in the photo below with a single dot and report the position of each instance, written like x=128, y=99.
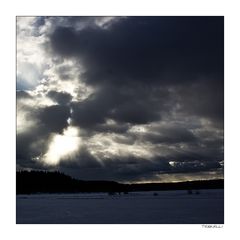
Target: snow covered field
x=165, y=207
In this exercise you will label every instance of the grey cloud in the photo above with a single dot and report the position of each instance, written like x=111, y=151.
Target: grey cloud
x=125, y=105
x=64, y=73
x=54, y=118
x=61, y=98
x=143, y=51
x=170, y=135
x=204, y=100
x=146, y=49
x=116, y=169
x=112, y=128
x=23, y=95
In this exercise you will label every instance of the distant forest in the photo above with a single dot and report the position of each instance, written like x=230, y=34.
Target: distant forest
x=28, y=182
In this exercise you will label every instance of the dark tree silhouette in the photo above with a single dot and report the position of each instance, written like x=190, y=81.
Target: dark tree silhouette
x=56, y=182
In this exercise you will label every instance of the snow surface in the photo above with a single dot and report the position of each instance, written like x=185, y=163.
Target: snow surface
x=168, y=207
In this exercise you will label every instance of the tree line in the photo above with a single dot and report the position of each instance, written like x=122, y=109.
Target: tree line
x=28, y=182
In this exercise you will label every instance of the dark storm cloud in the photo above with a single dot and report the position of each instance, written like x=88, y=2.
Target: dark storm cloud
x=204, y=99
x=158, y=51
x=93, y=114
x=122, y=104
x=170, y=135
x=147, y=49
x=30, y=145
x=112, y=128
x=137, y=113
x=54, y=118
x=62, y=98
x=49, y=118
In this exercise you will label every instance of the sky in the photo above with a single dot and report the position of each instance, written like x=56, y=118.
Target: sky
x=130, y=99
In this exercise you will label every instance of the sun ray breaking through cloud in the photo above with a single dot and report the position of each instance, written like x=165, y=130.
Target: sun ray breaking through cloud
x=62, y=146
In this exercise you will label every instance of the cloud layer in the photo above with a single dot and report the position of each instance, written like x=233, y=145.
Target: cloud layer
x=145, y=95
